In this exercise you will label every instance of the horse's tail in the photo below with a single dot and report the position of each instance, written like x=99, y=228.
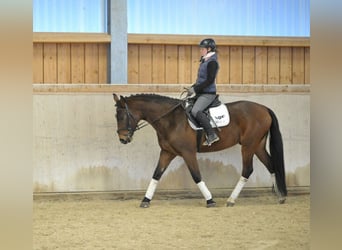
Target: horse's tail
x=277, y=154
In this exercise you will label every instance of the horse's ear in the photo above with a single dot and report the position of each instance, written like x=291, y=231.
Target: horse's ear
x=115, y=97
x=122, y=99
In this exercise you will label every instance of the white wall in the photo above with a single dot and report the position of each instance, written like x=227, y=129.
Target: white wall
x=76, y=147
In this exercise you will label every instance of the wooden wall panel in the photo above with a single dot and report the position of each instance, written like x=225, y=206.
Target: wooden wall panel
x=37, y=64
x=238, y=64
x=248, y=62
x=103, y=63
x=224, y=64
x=235, y=64
x=91, y=63
x=298, y=65
x=63, y=63
x=145, y=63
x=285, y=65
x=158, y=63
x=171, y=64
x=133, y=63
x=77, y=63
x=195, y=57
x=261, y=65
x=307, y=65
x=50, y=63
x=158, y=59
x=184, y=64
x=273, y=61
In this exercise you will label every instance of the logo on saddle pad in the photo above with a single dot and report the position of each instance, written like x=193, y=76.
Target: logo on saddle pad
x=219, y=117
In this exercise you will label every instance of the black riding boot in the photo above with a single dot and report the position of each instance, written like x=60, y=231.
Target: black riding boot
x=205, y=123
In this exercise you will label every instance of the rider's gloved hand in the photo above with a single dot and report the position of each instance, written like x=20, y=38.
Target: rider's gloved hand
x=191, y=91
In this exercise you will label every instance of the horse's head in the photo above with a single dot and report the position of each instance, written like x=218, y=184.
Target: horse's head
x=126, y=122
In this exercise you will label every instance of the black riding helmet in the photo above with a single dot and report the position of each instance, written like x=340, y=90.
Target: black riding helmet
x=208, y=43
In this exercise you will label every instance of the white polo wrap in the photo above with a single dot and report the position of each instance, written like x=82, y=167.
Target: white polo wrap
x=151, y=188
x=239, y=186
x=204, y=190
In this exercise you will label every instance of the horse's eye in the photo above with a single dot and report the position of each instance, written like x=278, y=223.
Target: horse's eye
x=119, y=115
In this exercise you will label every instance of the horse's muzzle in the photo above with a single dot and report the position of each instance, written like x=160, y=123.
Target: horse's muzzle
x=125, y=140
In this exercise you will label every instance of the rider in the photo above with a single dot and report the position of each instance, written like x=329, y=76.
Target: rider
x=205, y=87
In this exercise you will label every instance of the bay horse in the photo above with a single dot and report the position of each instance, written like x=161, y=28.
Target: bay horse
x=250, y=124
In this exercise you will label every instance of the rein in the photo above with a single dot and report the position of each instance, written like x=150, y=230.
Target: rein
x=130, y=128
x=166, y=113
x=174, y=107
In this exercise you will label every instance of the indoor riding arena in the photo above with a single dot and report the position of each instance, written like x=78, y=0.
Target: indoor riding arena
x=88, y=186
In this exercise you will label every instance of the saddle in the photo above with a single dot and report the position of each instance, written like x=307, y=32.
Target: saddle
x=217, y=113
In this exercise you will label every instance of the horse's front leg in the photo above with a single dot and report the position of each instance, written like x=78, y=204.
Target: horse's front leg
x=191, y=161
x=164, y=160
x=247, y=169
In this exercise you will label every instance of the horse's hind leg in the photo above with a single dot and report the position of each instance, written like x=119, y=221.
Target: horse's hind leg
x=164, y=160
x=247, y=169
x=265, y=158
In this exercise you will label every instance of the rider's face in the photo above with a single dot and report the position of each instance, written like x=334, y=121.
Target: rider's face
x=203, y=51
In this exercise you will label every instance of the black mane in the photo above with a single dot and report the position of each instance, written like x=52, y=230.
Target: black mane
x=155, y=98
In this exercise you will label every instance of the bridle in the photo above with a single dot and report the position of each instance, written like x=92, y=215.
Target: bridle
x=129, y=127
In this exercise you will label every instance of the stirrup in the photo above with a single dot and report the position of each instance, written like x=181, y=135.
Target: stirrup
x=208, y=143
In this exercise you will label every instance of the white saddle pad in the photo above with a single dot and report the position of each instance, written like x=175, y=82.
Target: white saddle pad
x=220, y=117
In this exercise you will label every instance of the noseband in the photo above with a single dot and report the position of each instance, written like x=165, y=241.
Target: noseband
x=129, y=126
x=130, y=117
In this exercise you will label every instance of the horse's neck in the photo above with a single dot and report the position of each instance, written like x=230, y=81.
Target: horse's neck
x=151, y=112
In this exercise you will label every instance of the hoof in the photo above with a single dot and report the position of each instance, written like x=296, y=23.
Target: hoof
x=145, y=204
x=282, y=200
x=211, y=203
x=230, y=204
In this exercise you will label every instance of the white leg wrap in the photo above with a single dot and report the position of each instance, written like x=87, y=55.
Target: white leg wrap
x=204, y=190
x=238, y=188
x=151, y=188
